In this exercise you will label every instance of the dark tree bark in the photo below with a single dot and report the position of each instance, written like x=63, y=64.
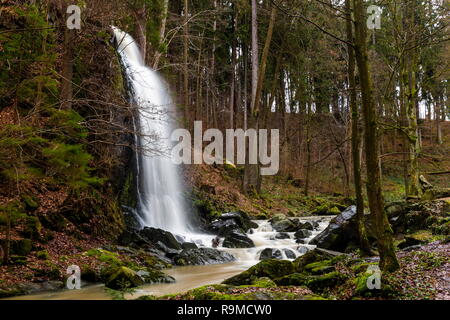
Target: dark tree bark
x=388, y=259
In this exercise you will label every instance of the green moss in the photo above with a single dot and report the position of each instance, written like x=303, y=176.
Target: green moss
x=43, y=255
x=320, y=267
x=31, y=203
x=271, y=268
x=264, y=282
x=111, y=258
x=334, y=211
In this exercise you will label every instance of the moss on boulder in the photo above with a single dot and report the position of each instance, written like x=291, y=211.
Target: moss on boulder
x=122, y=278
x=270, y=268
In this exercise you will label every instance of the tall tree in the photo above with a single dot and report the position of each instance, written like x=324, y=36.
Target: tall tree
x=388, y=259
x=356, y=141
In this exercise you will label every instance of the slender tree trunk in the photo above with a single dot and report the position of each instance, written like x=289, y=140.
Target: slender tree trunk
x=414, y=188
x=438, y=111
x=66, y=94
x=388, y=259
x=252, y=177
x=162, y=34
x=356, y=141
x=185, y=62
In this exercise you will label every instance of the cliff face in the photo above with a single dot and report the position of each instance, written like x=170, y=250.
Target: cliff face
x=64, y=159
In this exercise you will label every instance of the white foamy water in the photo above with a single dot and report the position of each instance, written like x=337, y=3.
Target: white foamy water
x=264, y=237
x=160, y=197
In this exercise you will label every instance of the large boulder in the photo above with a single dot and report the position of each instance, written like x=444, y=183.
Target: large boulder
x=124, y=277
x=271, y=268
x=241, y=219
x=341, y=231
x=290, y=254
x=270, y=253
x=302, y=234
x=223, y=227
x=237, y=239
x=151, y=276
x=282, y=235
x=154, y=235
x=410, y=216
x=285, y=225
x=202, y=256
x=312, y=256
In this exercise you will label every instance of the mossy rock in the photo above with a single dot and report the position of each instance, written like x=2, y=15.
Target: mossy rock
x=152, y=276
x=328, y=280
x=264, y=282
x=320, y=267
x=42, y=255
x=33, y=228
x=362, y=289
x=18, y=260
x=312, y=256
x=122, y=278
x=277, y=217
x=108, y=257
x=31, y=203
x=271, y=268
x=334, y=211
x=293, y=279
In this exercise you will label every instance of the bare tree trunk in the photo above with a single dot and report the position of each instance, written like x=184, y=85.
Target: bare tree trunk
x=414, y=188
x=185, y=62
x=438, y=111
x=66, y=94
x=356, y=141
x=388, y=259
x=162, y=33
x=252, y=177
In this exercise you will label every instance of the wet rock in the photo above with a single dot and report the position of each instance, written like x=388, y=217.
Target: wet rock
x=282, y=235
x=189, y=245
x=132, y=237
x=284, y=226
x=277, y=217
x=315, y=255
x=270, y=253
x=409, y=216
x=410, y=241
x=272, y=268
x=202, y=256
x=169, y=252
x=223, y=227
x=241, y=219
x=124, y=277
x=237, y=239
x=290, y=254
x=302, y=234
x=340, y=232
x=302, y=241
x=302, y=249
x=151, y=276
x=154, y=235
x=36, y=287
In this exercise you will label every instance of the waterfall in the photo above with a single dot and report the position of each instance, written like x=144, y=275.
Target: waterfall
x=160, y=198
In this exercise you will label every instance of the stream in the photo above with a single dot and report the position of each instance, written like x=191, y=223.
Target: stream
x=190, y=277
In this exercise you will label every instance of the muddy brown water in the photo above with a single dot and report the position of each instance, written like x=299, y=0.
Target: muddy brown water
x=187, y=278
x=191, y=277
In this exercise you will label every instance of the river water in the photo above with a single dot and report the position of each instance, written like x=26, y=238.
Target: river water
x=190, y=277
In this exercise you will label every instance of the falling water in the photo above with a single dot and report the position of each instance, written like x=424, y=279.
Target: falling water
x=160, y=201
